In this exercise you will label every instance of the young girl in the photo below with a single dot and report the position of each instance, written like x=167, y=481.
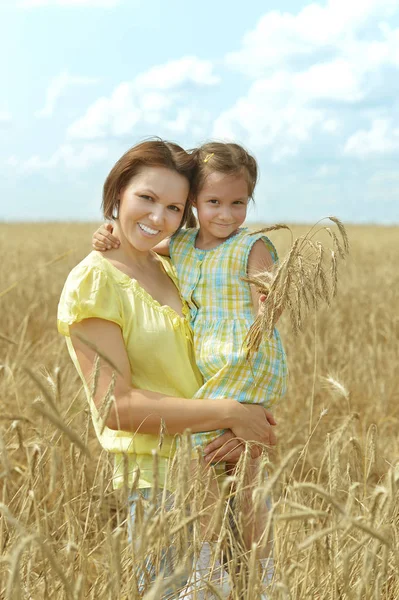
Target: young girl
x=212, y=263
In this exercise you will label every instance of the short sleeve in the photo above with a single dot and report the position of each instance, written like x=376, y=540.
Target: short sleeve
x=88, y=292
x=252, y=239
x=179, y=240
x=270, y=246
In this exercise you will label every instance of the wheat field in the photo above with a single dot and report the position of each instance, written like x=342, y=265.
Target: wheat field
x=334, y=479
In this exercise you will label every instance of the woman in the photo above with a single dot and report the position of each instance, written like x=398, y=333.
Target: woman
x=126, y=328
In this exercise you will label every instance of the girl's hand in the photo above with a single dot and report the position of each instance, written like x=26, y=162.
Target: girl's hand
x=225, y=448
x=229, y=446
x=261, y=303
x=103, y=239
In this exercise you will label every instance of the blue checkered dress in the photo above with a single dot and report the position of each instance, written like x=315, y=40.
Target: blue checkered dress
x=221, y=313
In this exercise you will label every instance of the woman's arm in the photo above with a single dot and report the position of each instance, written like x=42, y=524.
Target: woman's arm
x=143, y=410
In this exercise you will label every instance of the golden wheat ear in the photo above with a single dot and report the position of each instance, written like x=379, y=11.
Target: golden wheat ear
x=306, y=277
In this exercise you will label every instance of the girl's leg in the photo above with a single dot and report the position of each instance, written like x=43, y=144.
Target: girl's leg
x=206, y=499
x=249, y=516
x=149, y=569
x=251, y=510
x=206, y=569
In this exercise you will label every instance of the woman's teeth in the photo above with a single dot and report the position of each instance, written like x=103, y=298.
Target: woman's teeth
x=148, y=229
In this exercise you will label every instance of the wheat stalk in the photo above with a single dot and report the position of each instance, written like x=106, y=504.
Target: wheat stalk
x=298, y=283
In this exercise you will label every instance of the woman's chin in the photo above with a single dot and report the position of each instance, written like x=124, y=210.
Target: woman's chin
x=142, y=243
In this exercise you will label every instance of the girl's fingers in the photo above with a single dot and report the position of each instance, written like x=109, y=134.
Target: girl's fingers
x=219, y=442
x=99, y=246
x=111, y=239
x=105, y=240
x=107, y=230
x=230, y=451
x=261, y=303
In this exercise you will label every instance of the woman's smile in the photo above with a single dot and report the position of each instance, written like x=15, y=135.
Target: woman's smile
x=147, y=230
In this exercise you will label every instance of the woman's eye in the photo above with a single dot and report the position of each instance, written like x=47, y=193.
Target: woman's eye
x=174, y=208
x=214, y=201
x=145, y=197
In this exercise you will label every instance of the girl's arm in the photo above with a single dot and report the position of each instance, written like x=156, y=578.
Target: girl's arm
x=259, y=260
x=103, y=240
x=163, y=247
x=143, y=410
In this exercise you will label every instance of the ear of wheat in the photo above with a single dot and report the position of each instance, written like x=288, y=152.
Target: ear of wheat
x=305, y=278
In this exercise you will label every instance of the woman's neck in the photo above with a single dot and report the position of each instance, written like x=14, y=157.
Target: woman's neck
x=129, y=253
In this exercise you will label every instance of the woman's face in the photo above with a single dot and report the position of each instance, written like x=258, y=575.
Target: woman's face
x=151, y=206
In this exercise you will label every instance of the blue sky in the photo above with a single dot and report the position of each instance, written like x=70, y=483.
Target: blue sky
x=312, y=89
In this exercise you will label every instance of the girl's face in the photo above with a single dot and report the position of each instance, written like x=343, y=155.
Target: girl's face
x=151, y=206
x=222, y=204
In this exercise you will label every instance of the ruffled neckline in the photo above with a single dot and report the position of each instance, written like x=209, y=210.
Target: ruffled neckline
x=221, y=245
x=125, y=280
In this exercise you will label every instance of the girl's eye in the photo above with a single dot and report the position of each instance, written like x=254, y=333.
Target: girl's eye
x=238, y=202
x=214, y=201
x=174, y=208
x=145, y=197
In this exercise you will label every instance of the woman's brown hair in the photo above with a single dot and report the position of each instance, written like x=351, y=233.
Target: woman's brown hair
x=225, y=158
x=151, y=153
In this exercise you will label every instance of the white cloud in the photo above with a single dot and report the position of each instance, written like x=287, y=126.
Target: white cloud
x=39, y=3
x=67, y=156
x=385, y=178
x=5, y=116
x=330, y=125
x=176, y=72
x=147, y=100
x=306, y=69
x=116, y=115
x=282, y=37
x=181, y=122
x=381, y=138
x=57, y=87
x=335, y=80
x=280, y=112
x=326, y=171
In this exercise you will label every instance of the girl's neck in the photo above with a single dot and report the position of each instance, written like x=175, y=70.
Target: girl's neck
x=206, y=240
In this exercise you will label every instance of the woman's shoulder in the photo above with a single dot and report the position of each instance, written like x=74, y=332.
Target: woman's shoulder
x=89, y=292
x=93, y=266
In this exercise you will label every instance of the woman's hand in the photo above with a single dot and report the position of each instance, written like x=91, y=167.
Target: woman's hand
x=228, y=446
x=103, y=239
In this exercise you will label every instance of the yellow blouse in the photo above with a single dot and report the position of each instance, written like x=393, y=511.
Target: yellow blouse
x=158, y=343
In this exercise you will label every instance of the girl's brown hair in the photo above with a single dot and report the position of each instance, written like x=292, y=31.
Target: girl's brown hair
x=225, y=158
x=151, y=153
